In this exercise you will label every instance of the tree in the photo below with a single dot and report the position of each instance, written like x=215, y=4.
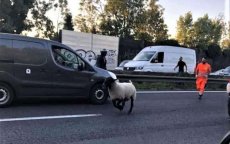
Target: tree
x=139, y=19
x=68, y=24
x=87, y=19
x=206, y=31
x=184, y=29
x=214, y=50
x=226, y=37
x=13, y=15
x=120, y=16
x=42, y=23
x=169, y=42
x=226, y=43
x=151, y=24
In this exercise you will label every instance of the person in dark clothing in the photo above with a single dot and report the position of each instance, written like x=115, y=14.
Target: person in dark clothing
x=101, y=60
x=181, y=64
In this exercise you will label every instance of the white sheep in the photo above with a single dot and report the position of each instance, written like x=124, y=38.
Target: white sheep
x=120, y=93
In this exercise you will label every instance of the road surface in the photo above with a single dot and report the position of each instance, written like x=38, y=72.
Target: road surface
x=157, y=118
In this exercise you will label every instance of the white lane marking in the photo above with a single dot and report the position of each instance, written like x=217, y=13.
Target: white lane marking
x=147, y=92
x=48, y=117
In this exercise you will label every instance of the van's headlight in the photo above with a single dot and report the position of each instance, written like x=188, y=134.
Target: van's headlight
x=139, y=68
x=112, y=75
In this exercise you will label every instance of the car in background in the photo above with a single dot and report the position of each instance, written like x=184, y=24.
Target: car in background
x=121, y=65
x=225, y=72
x=222, y=72
x=216, y=73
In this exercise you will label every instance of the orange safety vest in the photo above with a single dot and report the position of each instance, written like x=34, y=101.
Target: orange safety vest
x=202, y=70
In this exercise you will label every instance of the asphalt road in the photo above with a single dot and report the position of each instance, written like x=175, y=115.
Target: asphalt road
x=157, y=118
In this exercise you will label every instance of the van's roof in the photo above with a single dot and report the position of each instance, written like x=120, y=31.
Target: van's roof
x=168, y=49
x=25, y=38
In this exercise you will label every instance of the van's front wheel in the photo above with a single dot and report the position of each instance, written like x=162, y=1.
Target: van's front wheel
x=98, y=95
x=6, y=95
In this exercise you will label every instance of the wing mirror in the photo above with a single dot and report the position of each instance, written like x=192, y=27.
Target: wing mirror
x=78, y=67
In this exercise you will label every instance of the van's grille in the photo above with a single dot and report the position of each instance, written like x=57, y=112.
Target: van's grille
x=129, y=68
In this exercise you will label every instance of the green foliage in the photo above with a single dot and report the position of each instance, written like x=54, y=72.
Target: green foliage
x=139, y=19
x=201, y=33
x=42, y=23
x=44, y=26
x=214, y=51
x=68, y=24
x=150, y=24
x=207, y=31
x=170, y=42
x=87, y=20
x=226, y=43
x=226, y=52
x=184, y=29
x=13, y=15
x=120, y=17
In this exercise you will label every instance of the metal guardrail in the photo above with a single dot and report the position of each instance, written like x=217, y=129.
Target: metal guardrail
x=152, y=78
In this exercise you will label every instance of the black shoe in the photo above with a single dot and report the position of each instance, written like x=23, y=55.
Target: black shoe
x=200, y=97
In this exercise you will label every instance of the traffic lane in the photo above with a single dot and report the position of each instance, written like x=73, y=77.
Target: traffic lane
x=156, y=117
x=146, y=102
x=33, y=107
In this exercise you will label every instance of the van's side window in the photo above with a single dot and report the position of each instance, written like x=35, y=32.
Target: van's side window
x=26, y=52
x=159, y=58
x=66, y=58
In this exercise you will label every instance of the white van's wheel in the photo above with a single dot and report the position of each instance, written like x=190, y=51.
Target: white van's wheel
x=98, y=95
x=6, y=95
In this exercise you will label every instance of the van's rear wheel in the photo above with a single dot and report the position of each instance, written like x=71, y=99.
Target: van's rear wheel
x=6, y=95
x=98, y=95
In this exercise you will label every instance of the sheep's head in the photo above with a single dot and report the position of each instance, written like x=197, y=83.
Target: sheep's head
x=108, y=82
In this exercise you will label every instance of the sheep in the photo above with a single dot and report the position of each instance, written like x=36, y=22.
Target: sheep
x=120, y=93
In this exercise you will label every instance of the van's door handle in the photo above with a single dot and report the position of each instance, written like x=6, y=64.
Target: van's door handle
x=162, y=65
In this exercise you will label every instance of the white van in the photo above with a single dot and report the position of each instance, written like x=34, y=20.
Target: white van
x=162, y=59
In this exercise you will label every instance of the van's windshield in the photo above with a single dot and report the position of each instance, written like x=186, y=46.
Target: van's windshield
x=144, y=56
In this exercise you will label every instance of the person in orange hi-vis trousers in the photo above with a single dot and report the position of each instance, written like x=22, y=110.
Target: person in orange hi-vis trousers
x=202, y=71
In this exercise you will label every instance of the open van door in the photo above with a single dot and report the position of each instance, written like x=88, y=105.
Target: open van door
x=156, y=64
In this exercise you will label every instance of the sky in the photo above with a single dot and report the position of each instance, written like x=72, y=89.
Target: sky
x=173, y=9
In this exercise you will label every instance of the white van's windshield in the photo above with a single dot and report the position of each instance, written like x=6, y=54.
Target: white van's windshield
x=144, y=56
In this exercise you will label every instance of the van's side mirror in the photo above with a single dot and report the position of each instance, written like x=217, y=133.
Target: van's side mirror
x=81, y=67
x=75, y=66
x=78, y=67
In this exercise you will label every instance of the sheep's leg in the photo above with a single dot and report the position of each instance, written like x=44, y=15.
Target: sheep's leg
x=116, y=104
x=131, y=107
x=121, y=104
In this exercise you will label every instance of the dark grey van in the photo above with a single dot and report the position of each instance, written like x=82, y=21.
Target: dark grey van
x=38, y=67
